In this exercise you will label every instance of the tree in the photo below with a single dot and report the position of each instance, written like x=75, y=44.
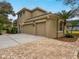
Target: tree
x=64, y=15
x=73, y=24
x=5, y=10
x=72, y=3
x=15, y=23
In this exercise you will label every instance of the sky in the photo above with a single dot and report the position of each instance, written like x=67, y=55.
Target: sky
x=48, y=5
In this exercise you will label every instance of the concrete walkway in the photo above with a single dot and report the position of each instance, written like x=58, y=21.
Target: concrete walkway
x=10, y=40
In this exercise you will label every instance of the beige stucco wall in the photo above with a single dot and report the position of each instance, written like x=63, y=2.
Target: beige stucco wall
x=28, y=14
x=51, y=28
x=60, y=34
x=24, y=17
x=37, y=13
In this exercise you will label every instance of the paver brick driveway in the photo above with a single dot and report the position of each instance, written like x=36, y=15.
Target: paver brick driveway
x=45, y=48
x=10, y=40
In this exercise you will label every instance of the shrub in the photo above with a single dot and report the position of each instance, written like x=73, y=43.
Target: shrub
x=0, y=32
x=14, y=30
x=69, y=36
x=8, y=31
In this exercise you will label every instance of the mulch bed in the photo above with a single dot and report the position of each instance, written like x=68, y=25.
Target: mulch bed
x=67, y=39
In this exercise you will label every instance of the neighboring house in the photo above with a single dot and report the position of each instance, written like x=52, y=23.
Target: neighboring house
x=39, y=22
x=75, y=28
x=74, y=17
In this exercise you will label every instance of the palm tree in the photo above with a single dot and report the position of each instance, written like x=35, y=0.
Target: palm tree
x=71, y=3
x=64, y=15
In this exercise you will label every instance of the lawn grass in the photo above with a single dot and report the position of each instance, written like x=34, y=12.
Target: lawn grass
x=74, y=32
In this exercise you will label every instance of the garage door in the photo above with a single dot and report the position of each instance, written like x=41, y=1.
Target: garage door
x=41, y=29
x=29, y=29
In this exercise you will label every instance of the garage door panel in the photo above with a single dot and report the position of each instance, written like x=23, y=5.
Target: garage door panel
x=41, y=29
x=29, y=29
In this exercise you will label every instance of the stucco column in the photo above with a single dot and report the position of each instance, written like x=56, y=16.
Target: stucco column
x=34, y=24
x=51, y=26
x=47, y=26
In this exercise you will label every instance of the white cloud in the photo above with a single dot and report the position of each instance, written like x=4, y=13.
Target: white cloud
x=12, y=17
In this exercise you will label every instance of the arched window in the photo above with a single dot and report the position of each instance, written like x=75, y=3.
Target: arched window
x=61, y=25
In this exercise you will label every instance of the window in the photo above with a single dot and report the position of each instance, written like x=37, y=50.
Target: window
x=23, y=12
x=19, y=15
x=61, y=25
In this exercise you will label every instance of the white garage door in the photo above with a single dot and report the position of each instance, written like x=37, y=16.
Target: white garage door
x=29, y=29
x=41, y=29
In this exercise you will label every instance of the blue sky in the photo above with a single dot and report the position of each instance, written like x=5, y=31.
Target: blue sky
x=49, y=5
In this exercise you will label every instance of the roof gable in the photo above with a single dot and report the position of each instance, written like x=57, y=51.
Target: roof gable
x=24, y=9
x=39, y=9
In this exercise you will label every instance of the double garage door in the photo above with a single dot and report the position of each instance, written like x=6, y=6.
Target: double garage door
x=38, y=29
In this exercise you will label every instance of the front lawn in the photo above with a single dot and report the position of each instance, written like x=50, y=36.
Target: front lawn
x=73, y=32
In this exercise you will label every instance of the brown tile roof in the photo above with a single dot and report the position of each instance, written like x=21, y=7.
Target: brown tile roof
x=26, y=9
x=39, y=9
x=23, y=9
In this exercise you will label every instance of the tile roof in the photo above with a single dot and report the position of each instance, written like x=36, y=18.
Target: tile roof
x=23, y=9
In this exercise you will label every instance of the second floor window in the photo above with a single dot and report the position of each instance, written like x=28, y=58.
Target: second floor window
x=23, y=12
x=19, y=15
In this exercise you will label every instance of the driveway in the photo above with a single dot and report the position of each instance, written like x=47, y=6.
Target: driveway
x=42, y=49
x=10, y=40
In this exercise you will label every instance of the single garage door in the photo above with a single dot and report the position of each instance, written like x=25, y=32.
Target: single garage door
x=41, y=28
x=29, y=29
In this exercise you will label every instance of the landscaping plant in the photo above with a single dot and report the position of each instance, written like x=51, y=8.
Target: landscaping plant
x=5, y=10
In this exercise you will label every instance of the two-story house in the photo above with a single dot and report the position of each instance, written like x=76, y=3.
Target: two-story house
x=39, y=22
